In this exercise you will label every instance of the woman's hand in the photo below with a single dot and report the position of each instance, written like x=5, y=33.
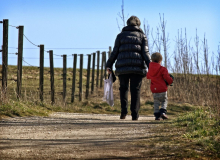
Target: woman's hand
x=109, y=71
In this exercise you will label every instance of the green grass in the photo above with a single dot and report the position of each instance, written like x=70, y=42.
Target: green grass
x=191, y=133
x=13, y=108
x=19, y=108
x=190, y=129
x=201, y=127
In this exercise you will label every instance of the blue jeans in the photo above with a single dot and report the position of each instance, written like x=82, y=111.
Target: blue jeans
x=135, y=85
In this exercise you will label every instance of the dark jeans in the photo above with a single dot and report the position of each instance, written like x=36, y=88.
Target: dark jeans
x=135, y=85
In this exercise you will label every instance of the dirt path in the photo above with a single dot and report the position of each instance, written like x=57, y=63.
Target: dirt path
x=84, y=136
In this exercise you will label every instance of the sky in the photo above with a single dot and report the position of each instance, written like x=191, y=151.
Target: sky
x=76, y=26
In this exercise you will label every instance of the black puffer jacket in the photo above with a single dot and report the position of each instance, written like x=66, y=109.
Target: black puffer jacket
x=130, y=51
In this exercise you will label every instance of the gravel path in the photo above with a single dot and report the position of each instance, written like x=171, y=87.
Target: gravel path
x=71, y=135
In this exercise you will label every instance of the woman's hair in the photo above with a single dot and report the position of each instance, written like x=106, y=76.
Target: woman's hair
x=156, y=57
x=134, y=21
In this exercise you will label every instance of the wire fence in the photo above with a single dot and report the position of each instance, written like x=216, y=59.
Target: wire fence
x=199, y=89
x=28, y=74
x=47, y=50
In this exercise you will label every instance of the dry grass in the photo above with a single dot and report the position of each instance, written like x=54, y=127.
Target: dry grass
x=200, y=90
x=187, y=90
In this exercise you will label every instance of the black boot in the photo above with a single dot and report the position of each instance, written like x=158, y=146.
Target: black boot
x=135, y=117
x=123, y=116
x=157, y=116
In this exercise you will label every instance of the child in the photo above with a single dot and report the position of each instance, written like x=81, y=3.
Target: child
x=159, y=79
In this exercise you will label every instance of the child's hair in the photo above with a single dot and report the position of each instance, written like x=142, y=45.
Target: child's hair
x=156, y=57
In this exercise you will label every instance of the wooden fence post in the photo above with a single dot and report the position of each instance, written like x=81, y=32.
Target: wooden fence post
x=74, y=77
x=80, y=77
x=41, y=84
x=20, y=58
x=64, y=79
x=101, y=79
x=52, y=77
x=104, y=64
x=93, y=73
x=97, y=77
x=110, y=51
x=5, y=58
x=88, y=76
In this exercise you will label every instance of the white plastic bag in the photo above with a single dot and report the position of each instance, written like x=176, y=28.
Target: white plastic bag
x=108, y=91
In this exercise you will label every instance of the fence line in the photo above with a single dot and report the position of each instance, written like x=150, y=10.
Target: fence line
x=41, y=67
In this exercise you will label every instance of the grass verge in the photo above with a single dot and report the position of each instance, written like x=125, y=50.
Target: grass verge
x=13, y=108
x=203, y=128
x=24, y=108
x=191, y=134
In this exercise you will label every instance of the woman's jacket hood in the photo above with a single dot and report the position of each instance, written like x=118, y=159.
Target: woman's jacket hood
x=130, y=51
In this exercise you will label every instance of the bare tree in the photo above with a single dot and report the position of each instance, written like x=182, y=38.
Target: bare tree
x=153, y=40
x=196, y=53
x=213, y=59
x=164, y=39
x=147, y=32
x=218, y=61
x=180, y=50
x=156, y=41
x=121, y=16
x=206, y=55
x=186, y=57
x=118, y=25
x=178, y=53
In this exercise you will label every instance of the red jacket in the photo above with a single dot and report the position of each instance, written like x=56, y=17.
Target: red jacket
x=157, y=74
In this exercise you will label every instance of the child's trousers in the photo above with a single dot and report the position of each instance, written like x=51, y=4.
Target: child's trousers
x=160, y=99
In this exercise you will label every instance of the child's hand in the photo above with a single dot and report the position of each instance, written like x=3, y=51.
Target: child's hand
x=172, y=78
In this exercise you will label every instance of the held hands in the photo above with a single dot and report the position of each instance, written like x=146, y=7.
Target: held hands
x=109, y=70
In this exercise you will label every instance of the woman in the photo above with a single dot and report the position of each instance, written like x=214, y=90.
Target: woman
x=132, y=55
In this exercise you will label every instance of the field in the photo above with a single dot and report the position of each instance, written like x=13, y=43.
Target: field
x=201, y=90
x=193, y=107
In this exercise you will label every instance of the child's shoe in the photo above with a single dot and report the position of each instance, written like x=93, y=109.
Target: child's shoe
x=157, y=116
x=163, y=113
x=164, y=116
